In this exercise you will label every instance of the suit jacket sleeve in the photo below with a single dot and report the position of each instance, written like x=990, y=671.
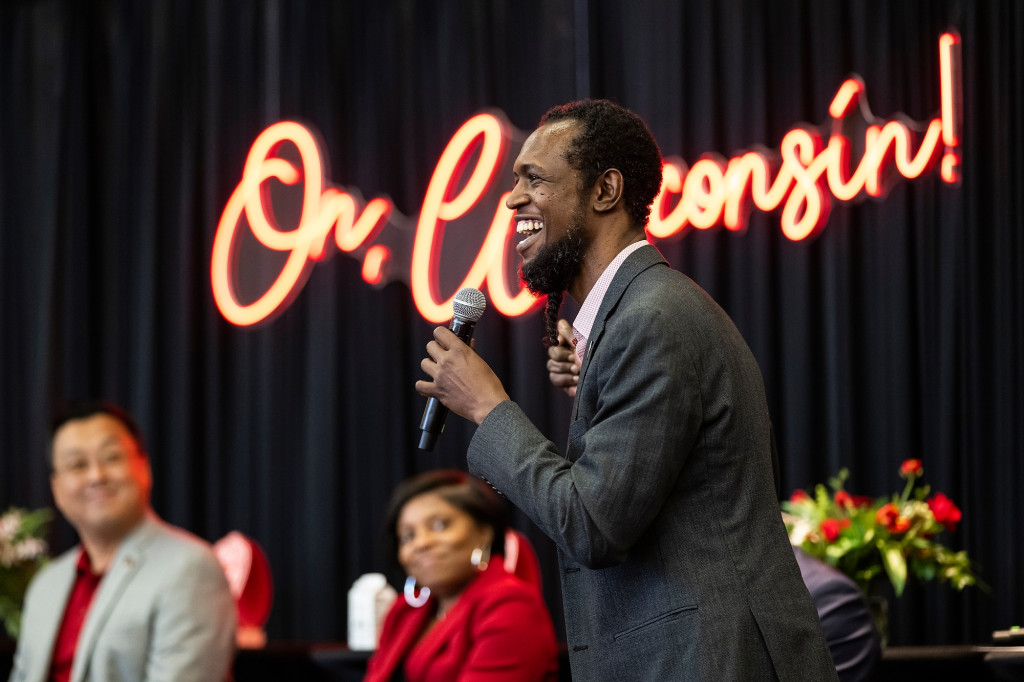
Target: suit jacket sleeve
x=41, y=616
x=195, y=626
x=849, y=627
x=625, y=451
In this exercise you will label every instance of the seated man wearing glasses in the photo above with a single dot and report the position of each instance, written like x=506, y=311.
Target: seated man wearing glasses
x=138, y=599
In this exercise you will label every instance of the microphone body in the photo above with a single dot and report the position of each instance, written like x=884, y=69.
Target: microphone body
x=468, y=306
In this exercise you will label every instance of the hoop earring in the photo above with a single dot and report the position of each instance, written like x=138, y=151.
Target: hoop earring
x=480, y=557
x=410, y=593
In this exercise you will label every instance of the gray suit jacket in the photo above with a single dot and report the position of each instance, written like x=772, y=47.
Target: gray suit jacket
x=674, y=558
x=162, y=612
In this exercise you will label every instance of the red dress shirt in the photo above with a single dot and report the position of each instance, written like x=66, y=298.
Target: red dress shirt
x=499, y=630
x=82, y=592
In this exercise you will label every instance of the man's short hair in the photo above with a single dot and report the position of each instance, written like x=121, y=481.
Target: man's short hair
x=611, y=136
x=83, y=409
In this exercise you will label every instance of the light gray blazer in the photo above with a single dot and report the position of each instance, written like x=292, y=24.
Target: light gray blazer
x=162, y=612
x=674, y=558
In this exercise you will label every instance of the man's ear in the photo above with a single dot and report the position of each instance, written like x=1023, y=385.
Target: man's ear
x=607, y=190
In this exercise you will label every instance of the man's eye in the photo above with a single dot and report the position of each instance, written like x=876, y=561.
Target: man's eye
x=114, y=458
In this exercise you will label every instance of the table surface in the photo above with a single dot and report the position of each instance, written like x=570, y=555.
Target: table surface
x=948, y=651
x=334, y=661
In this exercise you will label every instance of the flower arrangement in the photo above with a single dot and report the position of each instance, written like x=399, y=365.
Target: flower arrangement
x=864, y=537
x=22, y=553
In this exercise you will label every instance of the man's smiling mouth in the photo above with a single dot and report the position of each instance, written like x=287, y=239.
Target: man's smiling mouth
x=529, y=228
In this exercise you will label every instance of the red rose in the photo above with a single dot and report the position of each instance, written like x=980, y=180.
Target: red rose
x=861, y=501
x=944, y=511
x=843, y=499
x=830, y=527
x=911, y=467
x=889, y=516
x=798, y=496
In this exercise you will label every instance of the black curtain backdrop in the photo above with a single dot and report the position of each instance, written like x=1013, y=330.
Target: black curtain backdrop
x=124, y=127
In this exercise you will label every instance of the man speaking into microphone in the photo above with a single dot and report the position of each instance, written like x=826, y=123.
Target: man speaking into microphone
x=675, y=563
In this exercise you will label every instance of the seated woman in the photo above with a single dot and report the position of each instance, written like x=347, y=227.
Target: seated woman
x=462, y=616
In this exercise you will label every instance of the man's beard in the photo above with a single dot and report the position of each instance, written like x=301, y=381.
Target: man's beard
x=557, y=264
x=553, y=269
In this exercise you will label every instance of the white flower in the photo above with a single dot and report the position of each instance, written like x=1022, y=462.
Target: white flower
x=29, y=548
x=10, y=522
x=801, y=529
x=14, y=551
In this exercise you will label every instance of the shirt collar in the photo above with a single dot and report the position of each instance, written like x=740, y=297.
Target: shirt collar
x=84, y=565
x=584, y=322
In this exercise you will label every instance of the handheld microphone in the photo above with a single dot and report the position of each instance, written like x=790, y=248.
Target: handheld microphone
x=467, y=307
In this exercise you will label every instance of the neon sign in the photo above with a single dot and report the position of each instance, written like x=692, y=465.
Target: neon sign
x=812, y=167
x=714, y=191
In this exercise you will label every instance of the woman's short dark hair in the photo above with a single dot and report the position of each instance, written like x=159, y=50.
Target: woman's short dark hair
x=463, y=491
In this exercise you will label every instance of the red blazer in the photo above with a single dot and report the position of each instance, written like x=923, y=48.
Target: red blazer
x=498, y=630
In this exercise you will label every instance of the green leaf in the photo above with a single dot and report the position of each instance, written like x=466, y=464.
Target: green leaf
x=33, y=524
x=837, y=482
x=924, y=571
x=895, y=567
x=821, y=497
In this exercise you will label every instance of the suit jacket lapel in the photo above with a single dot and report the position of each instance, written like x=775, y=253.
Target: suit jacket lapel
x=635, y=263
x=52, y=609
x=435, y=641
x=127, y=561
x=406, y=637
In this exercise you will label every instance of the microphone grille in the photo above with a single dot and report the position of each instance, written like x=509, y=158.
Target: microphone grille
x=469, y=304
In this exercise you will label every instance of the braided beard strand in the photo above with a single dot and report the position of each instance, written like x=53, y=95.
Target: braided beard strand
x=554, y=304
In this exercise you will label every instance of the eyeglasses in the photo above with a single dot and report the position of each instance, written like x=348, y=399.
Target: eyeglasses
x=111, y=460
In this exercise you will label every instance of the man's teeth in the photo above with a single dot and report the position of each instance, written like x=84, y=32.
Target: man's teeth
x=529, y=226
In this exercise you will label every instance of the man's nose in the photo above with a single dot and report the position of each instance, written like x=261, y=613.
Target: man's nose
x=516, y=198
x=97, y=471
